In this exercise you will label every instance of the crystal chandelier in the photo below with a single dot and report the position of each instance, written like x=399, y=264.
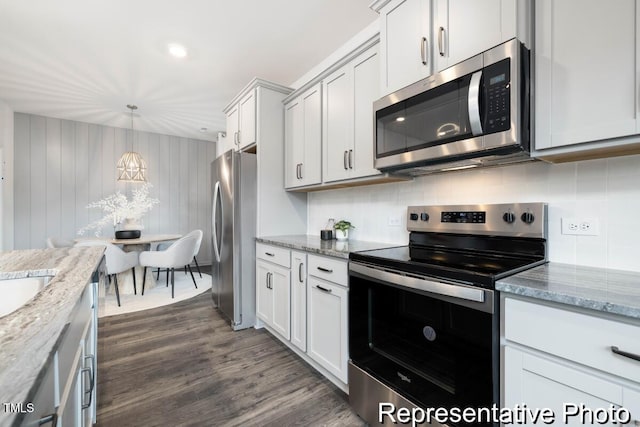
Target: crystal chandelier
x=131, y=166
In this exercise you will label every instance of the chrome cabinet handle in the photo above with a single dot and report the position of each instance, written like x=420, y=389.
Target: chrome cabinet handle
x=632, y=356
x=269, y=254
x=238, y=137
x=323, y=289
x=301, y=170
x=300, y=279
x=266, y=280
x=424, y=54
x=350, y=159
x=344, y=160
x=441, y=41
x=326, y=270
x=91, y=371
x=235, y=138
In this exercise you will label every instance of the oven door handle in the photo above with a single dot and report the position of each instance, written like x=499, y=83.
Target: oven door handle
x=455, y=291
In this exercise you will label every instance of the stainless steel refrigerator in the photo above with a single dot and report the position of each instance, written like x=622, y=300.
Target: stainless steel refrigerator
x=233, y=225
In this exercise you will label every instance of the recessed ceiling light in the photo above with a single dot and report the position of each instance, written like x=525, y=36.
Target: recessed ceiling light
x=177, y=50
x=400, y=119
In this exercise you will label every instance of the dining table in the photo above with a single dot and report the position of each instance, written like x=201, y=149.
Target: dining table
x=145, y=242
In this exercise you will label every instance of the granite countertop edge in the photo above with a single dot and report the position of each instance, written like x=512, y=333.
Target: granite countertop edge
x=599, y=289
x=29, y=335
x=332, y=248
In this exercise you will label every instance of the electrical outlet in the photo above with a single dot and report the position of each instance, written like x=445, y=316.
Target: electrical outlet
x=395, y=221
x=581, y=226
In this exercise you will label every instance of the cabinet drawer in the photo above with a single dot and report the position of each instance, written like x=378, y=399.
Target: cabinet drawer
x=274, y=254
x=578, y=337
x=332, y=269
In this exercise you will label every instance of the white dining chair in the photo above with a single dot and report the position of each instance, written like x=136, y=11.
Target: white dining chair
x=117, y=261
x=163, y=246
x=179, y=254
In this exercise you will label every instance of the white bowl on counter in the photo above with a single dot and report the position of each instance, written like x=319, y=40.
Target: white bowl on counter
x=14, y=293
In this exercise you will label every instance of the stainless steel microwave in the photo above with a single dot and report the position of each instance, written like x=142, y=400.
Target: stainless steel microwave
x=475, y=113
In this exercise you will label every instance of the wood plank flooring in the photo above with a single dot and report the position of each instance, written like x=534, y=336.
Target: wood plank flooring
x=182, y=365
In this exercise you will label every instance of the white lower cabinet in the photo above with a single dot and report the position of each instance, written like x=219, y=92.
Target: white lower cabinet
x=299, y=299
x=327, y=326
x=273, y=294
x=535, y=372
x=302, y=299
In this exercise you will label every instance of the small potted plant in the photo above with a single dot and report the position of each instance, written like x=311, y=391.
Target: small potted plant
x=342, y=229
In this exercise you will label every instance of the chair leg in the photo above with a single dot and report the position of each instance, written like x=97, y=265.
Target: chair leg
x=144, y=278
x=133, y=271
x=158, y=276
x=173, y=273
x=197, y=266
x=192, y=278
x=168, y=271
x=115, y=281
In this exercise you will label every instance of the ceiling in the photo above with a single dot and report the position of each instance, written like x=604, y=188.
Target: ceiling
x=85, y=60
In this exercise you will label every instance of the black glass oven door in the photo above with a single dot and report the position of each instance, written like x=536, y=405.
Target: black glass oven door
x=433, y=351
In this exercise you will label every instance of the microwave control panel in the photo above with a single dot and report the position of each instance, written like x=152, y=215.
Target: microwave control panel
x=497, y=99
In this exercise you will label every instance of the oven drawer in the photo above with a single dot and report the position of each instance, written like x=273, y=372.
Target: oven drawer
x=578, y=337
x=332, y=269
x=274, y=254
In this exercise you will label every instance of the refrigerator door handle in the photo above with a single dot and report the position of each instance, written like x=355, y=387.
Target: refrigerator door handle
x=216, y=197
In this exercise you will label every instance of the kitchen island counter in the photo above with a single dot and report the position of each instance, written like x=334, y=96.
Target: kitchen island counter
x=600, y=289
x=30, y=335
x=333, y=248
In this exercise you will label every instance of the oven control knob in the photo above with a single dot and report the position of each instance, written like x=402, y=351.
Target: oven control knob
x=527, y=217
x=509, y=217
x=424, y=216
x=413, y=216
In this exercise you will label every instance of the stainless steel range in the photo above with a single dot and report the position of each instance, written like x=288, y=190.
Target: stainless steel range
x=423, y=318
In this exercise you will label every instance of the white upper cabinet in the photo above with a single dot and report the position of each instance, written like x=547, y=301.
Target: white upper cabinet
x=303, y=139
x=348, y=96
x=464, y=28
x=587, y=70
x=247, y=121
x=241, y=123
x=405, y=35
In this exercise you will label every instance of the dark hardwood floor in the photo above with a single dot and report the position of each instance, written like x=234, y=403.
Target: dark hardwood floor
x=182, y=365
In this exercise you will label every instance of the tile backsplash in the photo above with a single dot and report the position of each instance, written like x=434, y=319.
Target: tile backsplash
x=605, y=189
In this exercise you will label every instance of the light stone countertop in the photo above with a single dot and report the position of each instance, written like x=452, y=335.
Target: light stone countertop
x=600, y=289
x=333, y=248
x=29, y=335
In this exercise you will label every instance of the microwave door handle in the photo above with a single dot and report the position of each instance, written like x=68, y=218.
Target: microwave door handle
x=474, y=103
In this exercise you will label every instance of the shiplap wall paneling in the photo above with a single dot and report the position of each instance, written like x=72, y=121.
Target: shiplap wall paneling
x=63, y=165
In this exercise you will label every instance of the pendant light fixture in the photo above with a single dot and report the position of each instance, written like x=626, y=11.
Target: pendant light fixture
x=131, y=166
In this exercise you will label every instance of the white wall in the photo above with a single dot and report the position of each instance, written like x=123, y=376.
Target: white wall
x=6, y=175
x=61, y=166
x=608, y=189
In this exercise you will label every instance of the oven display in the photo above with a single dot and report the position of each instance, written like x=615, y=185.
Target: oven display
x=474, y=217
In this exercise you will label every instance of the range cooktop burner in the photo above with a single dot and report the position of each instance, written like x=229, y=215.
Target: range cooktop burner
x=474, y=244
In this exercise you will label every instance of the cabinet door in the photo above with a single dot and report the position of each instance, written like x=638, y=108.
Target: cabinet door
x=299, y=300
x=464, y=28
x=280, y=284
x=310, y=170
x=366, y=90
x=631, y=401
x=337, y=94
x=293, y=143
x=264, y=296
x=406, y=45
x=546, y=383
x=247, y=126
x=233, y=123
x=327, y=326
x=581, y=96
